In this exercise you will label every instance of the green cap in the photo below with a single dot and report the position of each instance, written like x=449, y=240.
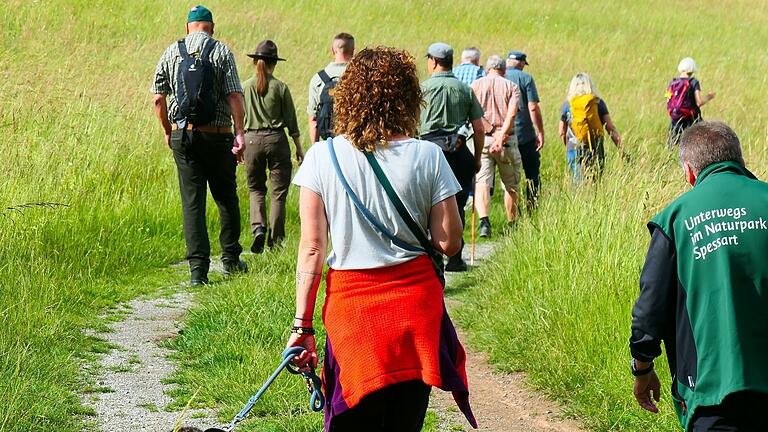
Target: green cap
x=199, y=13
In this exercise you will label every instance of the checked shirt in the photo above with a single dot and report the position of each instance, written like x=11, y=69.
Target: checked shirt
x=227, y=79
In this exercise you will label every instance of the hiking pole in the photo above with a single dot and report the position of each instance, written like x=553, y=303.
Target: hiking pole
x=316, y=400
x=472, y=247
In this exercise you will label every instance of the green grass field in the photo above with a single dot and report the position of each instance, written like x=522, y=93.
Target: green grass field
x=78, y=129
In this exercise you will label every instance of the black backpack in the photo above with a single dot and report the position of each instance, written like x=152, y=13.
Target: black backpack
x=194, y=91
x=324, y=112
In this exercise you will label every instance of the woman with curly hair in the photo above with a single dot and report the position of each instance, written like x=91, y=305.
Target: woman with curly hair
x=389, y=338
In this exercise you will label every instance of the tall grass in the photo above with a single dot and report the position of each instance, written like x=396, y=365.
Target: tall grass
x=78, y=129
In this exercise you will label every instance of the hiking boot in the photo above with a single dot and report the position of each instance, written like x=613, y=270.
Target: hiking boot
x=485, y=229
x=234, y=267
x=456, y=264
x=259, y=237
x=198, y=276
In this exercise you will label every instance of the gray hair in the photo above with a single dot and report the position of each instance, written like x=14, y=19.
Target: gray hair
x=707, y=143
x=471, y=54
x=495, y=62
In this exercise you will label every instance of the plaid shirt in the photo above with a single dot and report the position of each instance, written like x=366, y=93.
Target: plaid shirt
x=468, y=73
x=227, y=80
x=497, y=95
x=449, y=104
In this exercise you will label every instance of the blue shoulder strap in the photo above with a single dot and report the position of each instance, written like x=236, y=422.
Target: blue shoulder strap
x=364, y=211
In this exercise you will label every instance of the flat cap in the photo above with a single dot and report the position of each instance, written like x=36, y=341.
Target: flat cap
x=439, y=50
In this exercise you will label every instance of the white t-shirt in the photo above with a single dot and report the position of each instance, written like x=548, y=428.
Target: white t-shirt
x=418, y=172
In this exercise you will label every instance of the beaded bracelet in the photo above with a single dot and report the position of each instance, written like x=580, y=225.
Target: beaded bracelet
x=309, y=331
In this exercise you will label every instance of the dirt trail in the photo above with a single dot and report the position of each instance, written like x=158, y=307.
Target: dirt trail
x=500, y=401
x=132, y=375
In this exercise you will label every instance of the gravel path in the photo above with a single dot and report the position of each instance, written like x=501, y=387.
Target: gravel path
x=134, y=397
x=500, y=401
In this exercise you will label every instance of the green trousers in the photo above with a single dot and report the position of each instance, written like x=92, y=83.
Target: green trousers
x=205, y=160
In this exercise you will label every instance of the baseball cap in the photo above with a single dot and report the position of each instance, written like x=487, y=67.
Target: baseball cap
x=687, y=65
x=518, y=55
x=199, y=13
x=439, y=50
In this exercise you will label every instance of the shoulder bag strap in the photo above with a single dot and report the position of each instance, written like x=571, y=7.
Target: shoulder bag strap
x=208, y=50
x=359, y=205
x=407, y=218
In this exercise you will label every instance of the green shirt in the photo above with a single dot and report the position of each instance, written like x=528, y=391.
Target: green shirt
x=719, y=230
x=449, y=104
x=274, y=110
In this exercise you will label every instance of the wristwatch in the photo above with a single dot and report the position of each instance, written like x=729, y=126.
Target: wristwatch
x=640, y=372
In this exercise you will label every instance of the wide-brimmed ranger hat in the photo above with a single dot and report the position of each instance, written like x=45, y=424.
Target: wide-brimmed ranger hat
x=266, y=50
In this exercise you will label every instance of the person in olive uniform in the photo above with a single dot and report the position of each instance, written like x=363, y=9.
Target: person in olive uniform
x=269, y=110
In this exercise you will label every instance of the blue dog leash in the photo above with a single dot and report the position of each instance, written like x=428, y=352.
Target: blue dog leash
x=314, y=385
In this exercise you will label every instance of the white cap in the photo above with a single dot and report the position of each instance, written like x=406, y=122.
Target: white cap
x=687, y=65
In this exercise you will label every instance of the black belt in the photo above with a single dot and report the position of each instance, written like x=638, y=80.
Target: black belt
x=264, y=130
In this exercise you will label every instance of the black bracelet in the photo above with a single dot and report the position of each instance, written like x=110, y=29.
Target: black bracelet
x=641, y=372
x=303, y=319
x=309, y=331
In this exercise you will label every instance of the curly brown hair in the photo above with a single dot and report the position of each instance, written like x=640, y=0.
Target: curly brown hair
x=378, y=96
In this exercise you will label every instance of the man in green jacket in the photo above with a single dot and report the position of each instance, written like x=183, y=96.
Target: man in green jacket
x=704, y=291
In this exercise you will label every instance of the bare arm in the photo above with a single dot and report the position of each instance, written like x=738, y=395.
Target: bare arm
x=312, y=129
x=612, y=131
x=161, y=112
x=309, y=269
x=562, y=129
x=299, y=149
x=235, y=101
x=445, y=226
x=700, y=101
x=508, y=127
x=538, y=123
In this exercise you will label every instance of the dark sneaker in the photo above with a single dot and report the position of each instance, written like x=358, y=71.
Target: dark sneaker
x=456, y=265
x=198, y=282
x=259, y=236
x=485, y=229
x=198, y=276
x=234, y=267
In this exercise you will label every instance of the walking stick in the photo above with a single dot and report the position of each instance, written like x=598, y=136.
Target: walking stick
x=472, y=247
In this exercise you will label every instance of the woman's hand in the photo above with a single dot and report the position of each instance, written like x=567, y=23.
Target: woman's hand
x=308, y=358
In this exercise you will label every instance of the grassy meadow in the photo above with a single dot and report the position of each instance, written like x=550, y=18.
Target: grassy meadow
x=78, y=129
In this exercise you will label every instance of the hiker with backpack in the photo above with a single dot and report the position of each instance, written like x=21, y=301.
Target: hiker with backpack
x=199, y=76
x=449, y=106
x=684, y=101
x=269, y=110
x=387, y=200
x=320, y=102
x=584, y=119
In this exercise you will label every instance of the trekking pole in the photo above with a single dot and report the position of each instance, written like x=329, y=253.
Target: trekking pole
x=472, y=247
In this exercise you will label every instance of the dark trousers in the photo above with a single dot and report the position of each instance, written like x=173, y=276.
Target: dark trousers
x=205, y=160
x=676, y=129
x=742, y=412
x=268, y=150
x=463, y=166
x=400, y=407
x=532, y=167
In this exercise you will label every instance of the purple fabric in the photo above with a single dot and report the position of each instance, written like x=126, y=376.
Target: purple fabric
x=452, y=381
x=334, y=402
